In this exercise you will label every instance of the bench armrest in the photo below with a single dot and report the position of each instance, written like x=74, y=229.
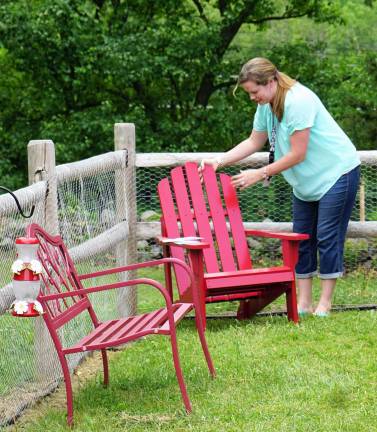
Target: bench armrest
x=153, y=263
x=138, y=281
x=106, y=287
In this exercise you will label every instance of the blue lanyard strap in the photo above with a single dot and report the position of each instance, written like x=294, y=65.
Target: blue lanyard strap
x=271, y=155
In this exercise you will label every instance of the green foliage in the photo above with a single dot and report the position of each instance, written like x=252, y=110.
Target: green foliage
x=72, y=68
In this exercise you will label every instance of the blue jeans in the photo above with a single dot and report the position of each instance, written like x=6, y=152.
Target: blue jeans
x=326, y=222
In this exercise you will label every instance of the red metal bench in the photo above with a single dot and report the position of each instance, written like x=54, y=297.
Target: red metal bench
x=63, y=298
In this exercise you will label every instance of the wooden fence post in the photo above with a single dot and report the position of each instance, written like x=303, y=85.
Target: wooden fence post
x=41, y=166
x=125, y=193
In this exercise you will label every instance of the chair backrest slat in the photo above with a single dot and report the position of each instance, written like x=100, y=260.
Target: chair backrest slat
x=171, y=226
x=200, y=214
x=219, y=221
x=236, y=224
x=183, y=203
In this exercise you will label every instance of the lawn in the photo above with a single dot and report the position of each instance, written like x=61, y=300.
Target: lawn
x=271, y=376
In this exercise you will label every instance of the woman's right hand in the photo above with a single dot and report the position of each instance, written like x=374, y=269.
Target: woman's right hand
x=214, y=162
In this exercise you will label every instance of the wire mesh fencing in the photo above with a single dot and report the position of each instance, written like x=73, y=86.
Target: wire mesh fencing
x=270, y=205
x=17, y=369
x=102, y=203
x=92, y=221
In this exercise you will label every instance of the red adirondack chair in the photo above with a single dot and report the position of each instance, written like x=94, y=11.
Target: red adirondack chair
x=63, y=298
x=221, y=261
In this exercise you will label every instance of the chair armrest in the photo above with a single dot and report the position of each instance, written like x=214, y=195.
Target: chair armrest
x=189, y=244
x=278, y=235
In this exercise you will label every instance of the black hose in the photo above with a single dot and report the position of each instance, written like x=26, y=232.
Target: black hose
x=337, y=308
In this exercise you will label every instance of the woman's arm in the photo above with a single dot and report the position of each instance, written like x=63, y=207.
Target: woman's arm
x=245, y=148
x=299, y=144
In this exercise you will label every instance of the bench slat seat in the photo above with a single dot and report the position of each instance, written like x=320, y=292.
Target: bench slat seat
x=113, y=333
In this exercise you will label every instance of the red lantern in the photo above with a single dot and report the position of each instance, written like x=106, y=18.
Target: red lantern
x=26, y=278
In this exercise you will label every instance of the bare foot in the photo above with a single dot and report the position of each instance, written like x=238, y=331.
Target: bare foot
x=304, y=308
x=322, y=309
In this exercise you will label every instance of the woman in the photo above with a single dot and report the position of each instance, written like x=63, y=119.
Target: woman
x=315, y=157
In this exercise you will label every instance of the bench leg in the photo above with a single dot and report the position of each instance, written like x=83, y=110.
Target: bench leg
x=178, y=370
x=105, y=368
x=68, y=388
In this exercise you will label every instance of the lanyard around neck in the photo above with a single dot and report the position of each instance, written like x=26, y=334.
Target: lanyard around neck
x=271, y=155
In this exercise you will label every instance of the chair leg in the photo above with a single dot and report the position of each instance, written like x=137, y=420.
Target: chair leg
x=248, y=308
x=244, y=310
x=203, y=341
x=291, y=302
x=203, y=313
x=105, y=368
x=178, y=370
x=68, y=389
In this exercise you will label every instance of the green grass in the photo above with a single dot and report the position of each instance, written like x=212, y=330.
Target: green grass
x=272, y=376
x=356, y=288
x=16, y=336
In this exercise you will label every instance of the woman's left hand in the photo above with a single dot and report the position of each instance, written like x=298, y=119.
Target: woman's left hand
x=247, y=178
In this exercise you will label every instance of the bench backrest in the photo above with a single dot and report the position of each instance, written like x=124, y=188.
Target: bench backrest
x=59, y=276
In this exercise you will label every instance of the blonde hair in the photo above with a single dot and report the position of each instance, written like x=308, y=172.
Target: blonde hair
x=262, y=71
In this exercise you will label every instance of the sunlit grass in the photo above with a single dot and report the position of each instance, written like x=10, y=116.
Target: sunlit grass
x=271, y=376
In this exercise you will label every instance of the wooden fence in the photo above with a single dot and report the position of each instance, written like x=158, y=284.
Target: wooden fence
x=44, y=177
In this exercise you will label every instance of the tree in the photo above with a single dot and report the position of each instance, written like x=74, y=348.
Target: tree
x=71, y=68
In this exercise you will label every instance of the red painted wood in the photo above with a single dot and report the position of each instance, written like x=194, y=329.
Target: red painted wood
x=261, y=271
x=172, y=230
x=228, y=273
x=236, y=224
x=277, y=235
x=218, y=218
x=186, y=215
x=250, y=280
x=201, y=215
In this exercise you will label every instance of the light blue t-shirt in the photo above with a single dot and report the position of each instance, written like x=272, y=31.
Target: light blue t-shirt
x=330, y=153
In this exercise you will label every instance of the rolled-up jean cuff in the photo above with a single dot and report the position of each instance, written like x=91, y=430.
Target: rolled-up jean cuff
x=306, y=275
x=331, y=275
